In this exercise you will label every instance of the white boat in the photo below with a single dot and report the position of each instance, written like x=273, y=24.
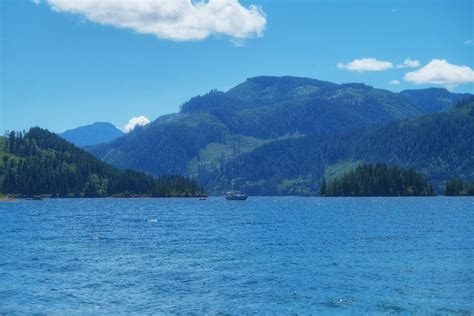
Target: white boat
x=236, y=195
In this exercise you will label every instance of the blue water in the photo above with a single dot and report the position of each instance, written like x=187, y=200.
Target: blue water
x=264, y=256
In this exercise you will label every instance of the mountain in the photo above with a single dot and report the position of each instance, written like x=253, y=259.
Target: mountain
x=269, y=107
x=214, y=129
x=163, y=146
x=41, y=163
x=93, y=134
x=440, y=146
x=433, y=100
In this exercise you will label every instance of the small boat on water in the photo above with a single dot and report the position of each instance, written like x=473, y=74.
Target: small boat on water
x=236, y=195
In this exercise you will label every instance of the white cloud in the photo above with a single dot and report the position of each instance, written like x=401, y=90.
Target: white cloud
x=394, y=83
x=440, y=72
x=136, y=121
x=366, y=64
x=469, y=42
x=409, y=63
x=36, y=1
x=178, y=20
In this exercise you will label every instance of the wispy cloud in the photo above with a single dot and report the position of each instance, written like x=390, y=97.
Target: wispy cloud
x=469, y=42
x=136, y=121
x=409, y=63
x=394, y=83
x=373, y=64
x=440, y=72
x=178, y=20
x=366, y=64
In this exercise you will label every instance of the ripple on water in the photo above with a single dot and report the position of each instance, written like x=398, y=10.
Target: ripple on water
x=263, y=256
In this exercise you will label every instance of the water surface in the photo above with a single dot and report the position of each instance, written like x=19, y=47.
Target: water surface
x=263, y=255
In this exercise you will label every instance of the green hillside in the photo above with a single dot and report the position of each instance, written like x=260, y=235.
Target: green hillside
x=42, y=163
x=440, y=146
x=163, y=147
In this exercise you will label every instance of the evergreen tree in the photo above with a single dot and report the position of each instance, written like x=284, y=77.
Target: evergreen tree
x=378, y=180
x=456, y=187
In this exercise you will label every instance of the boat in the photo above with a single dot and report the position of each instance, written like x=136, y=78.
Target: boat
x=236, y=195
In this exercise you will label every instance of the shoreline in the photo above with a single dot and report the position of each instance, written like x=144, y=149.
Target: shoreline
x=13, y=199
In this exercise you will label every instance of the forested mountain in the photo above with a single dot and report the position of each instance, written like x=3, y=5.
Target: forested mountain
x=217, y=128
x=433, y=100
x=268, y=107
x=163, y=147
x=41, y=163
x=378, y=180
x=440, y=146
x=93, y=134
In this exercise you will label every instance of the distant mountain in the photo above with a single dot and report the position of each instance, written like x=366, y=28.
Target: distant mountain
x=433, y=100
x=213, y=130
x=41, y=163
x=93, y=134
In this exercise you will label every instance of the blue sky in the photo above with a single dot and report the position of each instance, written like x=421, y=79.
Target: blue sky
x=60, y=70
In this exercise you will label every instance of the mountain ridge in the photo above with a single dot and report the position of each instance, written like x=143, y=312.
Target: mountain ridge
x=213, y=129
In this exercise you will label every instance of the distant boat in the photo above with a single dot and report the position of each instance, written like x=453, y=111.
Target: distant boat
x=236, y=195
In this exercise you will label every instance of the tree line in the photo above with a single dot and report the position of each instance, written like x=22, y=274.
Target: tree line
x=456, y=187
x=378, y=180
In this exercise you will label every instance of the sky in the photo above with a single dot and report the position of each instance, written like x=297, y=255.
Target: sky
x=67, y=63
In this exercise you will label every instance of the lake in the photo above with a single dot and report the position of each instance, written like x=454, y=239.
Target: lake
x=266, y=255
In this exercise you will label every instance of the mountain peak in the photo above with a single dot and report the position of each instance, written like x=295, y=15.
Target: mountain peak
x=92, y=134
x=102, y=124
x=285, y=80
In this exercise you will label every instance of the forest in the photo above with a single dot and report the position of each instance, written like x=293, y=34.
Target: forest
x=39, y=162
x=456, y=187
x=439, y=146
x=378, y=180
